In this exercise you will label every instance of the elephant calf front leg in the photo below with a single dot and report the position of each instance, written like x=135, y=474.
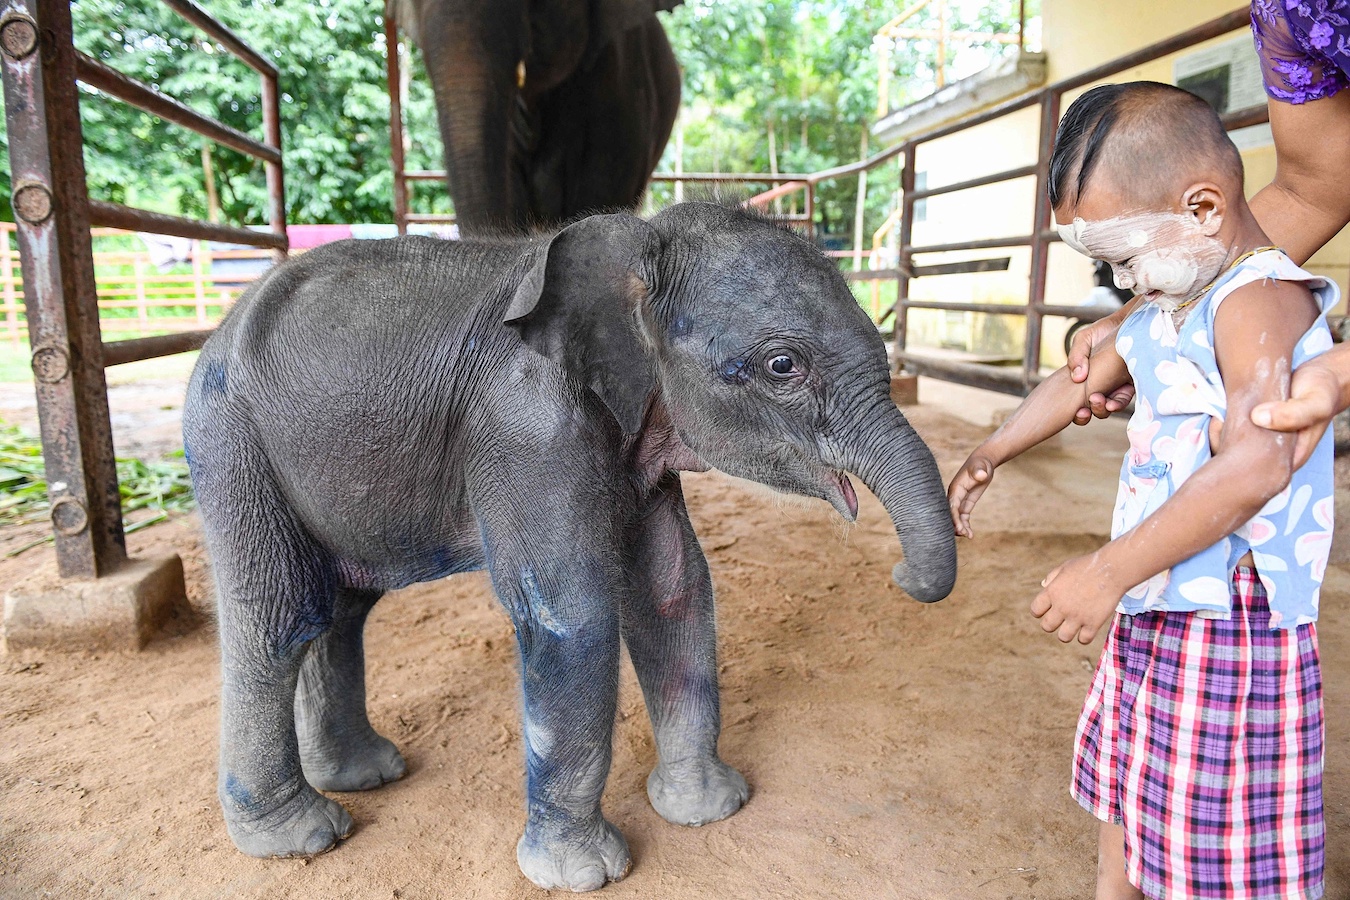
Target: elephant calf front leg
x=669, y=626
x=568, y=634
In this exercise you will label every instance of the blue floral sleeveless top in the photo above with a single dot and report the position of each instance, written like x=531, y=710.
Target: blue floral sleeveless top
x=1179, y=392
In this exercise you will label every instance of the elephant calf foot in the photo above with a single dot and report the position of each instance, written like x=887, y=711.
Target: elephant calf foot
x=352, y=764
x=306, y=825
x=696, y=793
x=582, y=860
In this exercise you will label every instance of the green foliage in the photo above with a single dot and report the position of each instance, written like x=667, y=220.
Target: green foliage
x=805, y=70
x=330, y=55
x=159, y=487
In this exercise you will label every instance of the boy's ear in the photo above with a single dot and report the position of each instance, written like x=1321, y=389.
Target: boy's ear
x=1206, y=202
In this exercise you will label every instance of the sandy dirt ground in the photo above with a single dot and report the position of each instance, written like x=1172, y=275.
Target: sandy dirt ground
x=893, y=749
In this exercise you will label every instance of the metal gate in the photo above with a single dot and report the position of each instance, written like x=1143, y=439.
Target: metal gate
x=54, y=214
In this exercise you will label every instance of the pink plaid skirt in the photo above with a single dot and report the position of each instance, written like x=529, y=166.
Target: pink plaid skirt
x=1203, y=737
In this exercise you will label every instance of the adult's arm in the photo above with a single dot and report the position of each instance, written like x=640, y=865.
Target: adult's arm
x=1308, y=203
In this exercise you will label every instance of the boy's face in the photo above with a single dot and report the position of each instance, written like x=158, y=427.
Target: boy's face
x=1168, y=255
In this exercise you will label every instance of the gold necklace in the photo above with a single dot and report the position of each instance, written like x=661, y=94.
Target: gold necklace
x=1228, y=268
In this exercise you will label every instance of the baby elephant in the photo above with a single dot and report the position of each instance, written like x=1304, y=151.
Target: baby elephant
x=378, y=413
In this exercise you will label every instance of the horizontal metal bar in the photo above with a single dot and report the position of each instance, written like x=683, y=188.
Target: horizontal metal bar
x=991, y=378
x=1242, y=118
x=967, y=267
x=1086, y=313
x=1009, y=175
x=114, y=215
x=872, y=275
x=1238, y=18
x=424, y=175
x=992, y=309
x=990, y=244
x=129, y=90
x=854, y=168
x=116, y=353
x=774, y=193
x=432, y=218
x=752, y=177
x=227, y=38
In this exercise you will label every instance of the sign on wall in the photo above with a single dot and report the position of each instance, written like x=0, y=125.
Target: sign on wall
x=1228, y=76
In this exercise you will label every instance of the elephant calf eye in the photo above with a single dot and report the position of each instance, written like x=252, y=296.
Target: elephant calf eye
x=782, y=365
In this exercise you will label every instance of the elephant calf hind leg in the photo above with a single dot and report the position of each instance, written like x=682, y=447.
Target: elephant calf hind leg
x=270, y=809
x=339, y=749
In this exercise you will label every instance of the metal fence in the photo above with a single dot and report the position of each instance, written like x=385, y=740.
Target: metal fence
x=55, y=214
x=135, y=293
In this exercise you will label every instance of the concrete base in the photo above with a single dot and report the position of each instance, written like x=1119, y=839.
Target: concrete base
x=120, y=611
x=905, y=389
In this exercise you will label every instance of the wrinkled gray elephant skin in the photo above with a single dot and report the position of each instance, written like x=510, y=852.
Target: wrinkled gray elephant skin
x=547, y=108
x=378, y=413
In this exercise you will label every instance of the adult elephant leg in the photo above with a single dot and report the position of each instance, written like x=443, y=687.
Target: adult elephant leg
x=472, y=50
x=339, y=749
x=558, y=590
x=602, y=131
x=669, y=626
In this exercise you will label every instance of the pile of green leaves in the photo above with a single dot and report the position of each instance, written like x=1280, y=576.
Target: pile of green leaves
x=159, y=487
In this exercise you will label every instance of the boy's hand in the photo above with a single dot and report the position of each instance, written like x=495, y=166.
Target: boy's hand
x=1078, y=598
x=1086, y=341
x=965, y=490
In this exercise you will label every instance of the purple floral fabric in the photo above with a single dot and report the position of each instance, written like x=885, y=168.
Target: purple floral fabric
x=1304, y=46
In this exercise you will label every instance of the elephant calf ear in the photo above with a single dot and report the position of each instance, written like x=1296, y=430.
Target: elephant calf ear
x=580, y=305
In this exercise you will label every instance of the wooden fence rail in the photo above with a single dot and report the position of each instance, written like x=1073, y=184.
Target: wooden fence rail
x=133, y=295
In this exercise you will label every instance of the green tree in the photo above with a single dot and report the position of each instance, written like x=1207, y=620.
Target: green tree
x=330, y=55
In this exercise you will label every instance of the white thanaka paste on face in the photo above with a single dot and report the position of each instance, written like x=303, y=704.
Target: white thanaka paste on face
x=1170, y=257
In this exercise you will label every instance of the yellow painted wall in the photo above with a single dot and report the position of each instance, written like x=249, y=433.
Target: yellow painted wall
x=1076, y=35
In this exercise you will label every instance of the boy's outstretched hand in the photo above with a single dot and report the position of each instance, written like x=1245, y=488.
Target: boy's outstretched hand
x=965, y=490
x=1077, y=598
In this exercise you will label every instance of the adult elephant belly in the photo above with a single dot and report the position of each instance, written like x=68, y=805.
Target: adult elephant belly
x=601, y=132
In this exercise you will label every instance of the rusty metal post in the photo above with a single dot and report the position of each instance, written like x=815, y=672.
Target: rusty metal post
x=396, y=149
x=1040, y=246
x=810, y=204
x=904, y=259
x=276, y=186
x=51, y=205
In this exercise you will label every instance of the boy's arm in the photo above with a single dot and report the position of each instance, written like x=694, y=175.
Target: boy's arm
x=1255, y=332
x=1046, y=411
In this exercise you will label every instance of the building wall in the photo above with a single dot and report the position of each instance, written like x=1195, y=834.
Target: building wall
x=1076, y=35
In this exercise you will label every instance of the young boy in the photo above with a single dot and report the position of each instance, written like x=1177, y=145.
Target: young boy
x=1200, y=744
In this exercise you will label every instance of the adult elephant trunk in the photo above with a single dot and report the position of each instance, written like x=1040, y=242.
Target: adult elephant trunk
x=894, y=462
x=474, y=53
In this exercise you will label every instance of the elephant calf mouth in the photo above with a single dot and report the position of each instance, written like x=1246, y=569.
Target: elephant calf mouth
x=845, y=499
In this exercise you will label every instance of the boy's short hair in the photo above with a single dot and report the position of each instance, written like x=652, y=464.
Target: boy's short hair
x=1150, y=136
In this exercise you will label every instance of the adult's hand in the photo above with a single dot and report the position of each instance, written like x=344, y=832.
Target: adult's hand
x=1319, y=389
x=1100, y=404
